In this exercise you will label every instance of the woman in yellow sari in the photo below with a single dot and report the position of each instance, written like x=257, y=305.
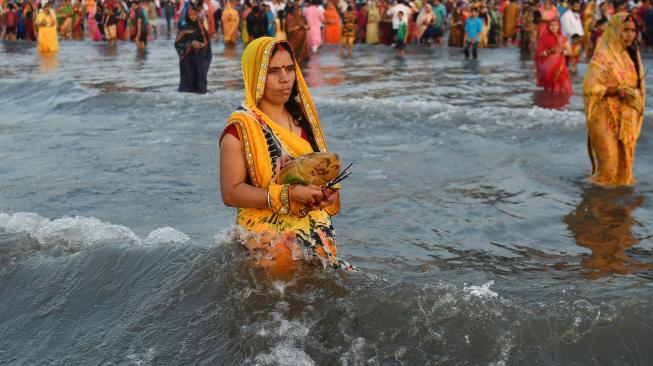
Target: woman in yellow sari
x=277, y=121
x=588, y=24
x=46, y=21
x=614, y=92
x=230, y=19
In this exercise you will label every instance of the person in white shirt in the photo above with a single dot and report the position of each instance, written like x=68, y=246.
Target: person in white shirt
x=570, y=21
x=394, y=11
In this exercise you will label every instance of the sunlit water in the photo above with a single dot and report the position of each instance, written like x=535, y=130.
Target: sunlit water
x=478, y=238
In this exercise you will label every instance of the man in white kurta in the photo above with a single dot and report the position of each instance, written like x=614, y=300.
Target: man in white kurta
x=570, y=22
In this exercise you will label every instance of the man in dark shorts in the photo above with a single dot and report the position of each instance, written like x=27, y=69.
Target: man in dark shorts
x=11, y=19
x=141, y=25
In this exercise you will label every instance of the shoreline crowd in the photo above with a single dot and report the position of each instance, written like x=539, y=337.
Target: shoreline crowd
x=309, y=24
x=557, y=35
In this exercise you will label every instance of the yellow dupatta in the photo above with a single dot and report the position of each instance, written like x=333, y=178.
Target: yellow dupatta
x=611, y=66
x=305, y=237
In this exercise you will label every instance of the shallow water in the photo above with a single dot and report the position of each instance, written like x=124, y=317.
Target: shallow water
x=478, y=238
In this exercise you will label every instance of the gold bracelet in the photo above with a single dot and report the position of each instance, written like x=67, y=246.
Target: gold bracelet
x=285, y=200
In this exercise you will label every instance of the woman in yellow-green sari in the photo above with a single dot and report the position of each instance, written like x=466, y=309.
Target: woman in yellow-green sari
x=614, y=92
x=276, y=122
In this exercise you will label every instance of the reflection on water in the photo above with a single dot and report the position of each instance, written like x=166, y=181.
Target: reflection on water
x=49, y=62
x=110, y=50
x=141, y=55
x=230, y=52
x=548, y=100
x=603, y=223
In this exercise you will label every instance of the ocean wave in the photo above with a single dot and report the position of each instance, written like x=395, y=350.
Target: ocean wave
x=475, y=119
x=78, y=232
x=37, y=94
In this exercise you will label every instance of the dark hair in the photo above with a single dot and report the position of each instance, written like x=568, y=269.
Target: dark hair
x=400, y=13
x=575, y=37
x=292, y=105
x=601, y=22
x=255, y=9
x=349, y=8
x=281, y=15
x=633, y=49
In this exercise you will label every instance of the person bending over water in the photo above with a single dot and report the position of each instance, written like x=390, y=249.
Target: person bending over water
x=614, y=91
x=277, y=121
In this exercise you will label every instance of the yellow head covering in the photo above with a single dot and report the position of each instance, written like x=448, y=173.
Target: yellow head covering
x=255, y=61
x=612, y=66
x=279, y=232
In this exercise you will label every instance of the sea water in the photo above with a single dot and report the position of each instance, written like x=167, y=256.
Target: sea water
x=478, y=239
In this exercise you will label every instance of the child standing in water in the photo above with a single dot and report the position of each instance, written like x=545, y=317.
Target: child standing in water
x=473, y=28
x=574, y=57
x=402, y=32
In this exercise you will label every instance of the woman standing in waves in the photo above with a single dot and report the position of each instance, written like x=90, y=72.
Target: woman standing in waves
x=550, y=60
x=614, y=91
x=277, y=121
x=193, y=46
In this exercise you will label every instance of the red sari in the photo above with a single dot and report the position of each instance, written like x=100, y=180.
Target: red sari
x=552, y=73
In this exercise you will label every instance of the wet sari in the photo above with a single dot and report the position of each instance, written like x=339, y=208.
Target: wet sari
x=78, y=20
x=551, y=63
x=47, y=39
x=588, y=20
x=457, y=30
x=28, y=20
x=243, y=25
x=295, y=24
x=332, y=32
x=230, y=21
x=64, y=18
x=193, y=63
x=613, y=124
x=282, y=236
x=373, y=19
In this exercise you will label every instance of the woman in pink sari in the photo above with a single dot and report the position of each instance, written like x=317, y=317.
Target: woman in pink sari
x=550, y=60
x=315, y=18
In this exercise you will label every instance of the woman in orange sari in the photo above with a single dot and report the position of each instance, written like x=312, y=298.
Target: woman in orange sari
x=277, y=121
x=332, y=32
x=614, y=90
x=550, y=60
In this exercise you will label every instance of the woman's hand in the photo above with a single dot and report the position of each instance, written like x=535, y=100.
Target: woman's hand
x=309, y=196
x=330, y=197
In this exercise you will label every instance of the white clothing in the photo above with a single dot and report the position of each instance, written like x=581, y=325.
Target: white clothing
x=571, y=24
x=395, y=10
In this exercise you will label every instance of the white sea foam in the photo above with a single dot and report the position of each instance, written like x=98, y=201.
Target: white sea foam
x=512, y=117
x=284, y=354
x=166, y=234
x=482, y=292
x=73, y=233
x=288, y=336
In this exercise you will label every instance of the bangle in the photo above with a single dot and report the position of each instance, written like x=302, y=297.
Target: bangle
x=285, y=200
x=279, y=198
x=269, y=202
